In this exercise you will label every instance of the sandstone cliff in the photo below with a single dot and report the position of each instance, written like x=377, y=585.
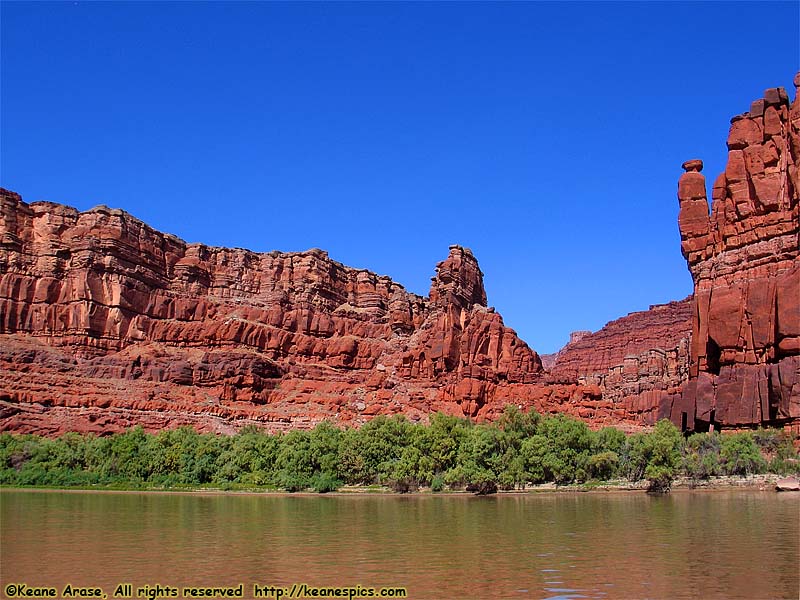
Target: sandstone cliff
x=743, y=256
x=106, y=322
x=729, y=355
x=633, y=362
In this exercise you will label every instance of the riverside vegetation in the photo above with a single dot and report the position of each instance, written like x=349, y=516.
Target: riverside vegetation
x=518, y=450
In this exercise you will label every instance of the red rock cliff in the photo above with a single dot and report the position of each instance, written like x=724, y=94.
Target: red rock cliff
x=634, y=362
x=105, y=322
x=743, y=257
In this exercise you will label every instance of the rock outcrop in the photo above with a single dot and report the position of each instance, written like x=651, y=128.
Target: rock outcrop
x=633, y=362
x=743, y=257
x=105, y=322
x=663, y=326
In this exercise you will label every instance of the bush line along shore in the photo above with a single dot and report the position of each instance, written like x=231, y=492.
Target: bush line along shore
x=513, y=453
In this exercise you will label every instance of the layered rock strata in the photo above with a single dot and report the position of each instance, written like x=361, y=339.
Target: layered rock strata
x=632, y=362
x=743, y=257
x=105, y=322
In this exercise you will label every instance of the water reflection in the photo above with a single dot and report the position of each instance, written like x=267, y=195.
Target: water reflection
x=722, y=544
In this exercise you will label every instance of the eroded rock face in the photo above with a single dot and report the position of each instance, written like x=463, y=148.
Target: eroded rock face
x=105, y=322
x=663, y=326
x=743, y=257
x=630, y=364
x=633, y=360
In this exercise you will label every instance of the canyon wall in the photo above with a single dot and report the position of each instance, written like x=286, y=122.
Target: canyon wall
x=635, y=363
x=729, y=355
x=105, y=323
x=743, y=257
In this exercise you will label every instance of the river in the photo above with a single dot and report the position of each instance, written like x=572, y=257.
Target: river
x=709, y=544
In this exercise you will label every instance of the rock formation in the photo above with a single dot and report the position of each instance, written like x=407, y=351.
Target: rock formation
x=105, y=322
x=743, y=257
x=729, y=355
x=633, y=362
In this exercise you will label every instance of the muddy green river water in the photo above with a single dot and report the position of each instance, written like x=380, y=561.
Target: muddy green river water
x=720, y=544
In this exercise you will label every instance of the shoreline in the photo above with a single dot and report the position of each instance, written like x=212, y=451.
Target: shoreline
x=758, y=483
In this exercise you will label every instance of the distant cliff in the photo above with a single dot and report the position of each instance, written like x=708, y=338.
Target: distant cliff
x=635, y=362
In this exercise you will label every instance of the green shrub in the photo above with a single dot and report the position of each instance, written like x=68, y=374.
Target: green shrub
x=482, y=486
x=778, y=450
x=517, y=449
x=769, y=440
x=403, y=485
x=634, y=457
x=663, y=452
x=293, y=482
x=325, y=482
x=740, y=455
x=533, y=451
x=701, y=456
x=562, y=452
x=784, y=466
x=512, y=474
x=659, y=478
x=608, y=439
x=604, y=465
x=479, y=459
x=405, y=474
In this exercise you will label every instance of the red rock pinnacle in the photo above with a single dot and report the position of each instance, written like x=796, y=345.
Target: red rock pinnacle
x=458, y=280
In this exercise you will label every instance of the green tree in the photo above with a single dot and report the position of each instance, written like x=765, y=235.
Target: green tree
x=777, y=448
x=405, y=475
x=249, y=458
x=127, y=456
x=324, y=482
x=603, y=465
x=382, y=441
x=701, y=455
x=663, y=451
x=634, y=457
x=293, y=462
x=516, y=424
x=533, y=452
x=515, y=427
x=438, y=444
x=351, y=464
x=181, y=456
x=569, y=443
x=608, y=439
x=740, y=455
x=478, y=460
x=324, y=449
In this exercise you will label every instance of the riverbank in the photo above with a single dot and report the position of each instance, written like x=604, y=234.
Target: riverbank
x=759, y=482
x=557, y=452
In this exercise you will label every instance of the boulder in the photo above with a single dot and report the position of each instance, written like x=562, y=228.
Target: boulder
x=788, y=484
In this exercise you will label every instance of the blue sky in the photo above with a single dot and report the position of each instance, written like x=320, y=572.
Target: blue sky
x=547, y=137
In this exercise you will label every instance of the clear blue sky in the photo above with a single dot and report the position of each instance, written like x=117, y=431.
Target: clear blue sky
x=548, y=137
